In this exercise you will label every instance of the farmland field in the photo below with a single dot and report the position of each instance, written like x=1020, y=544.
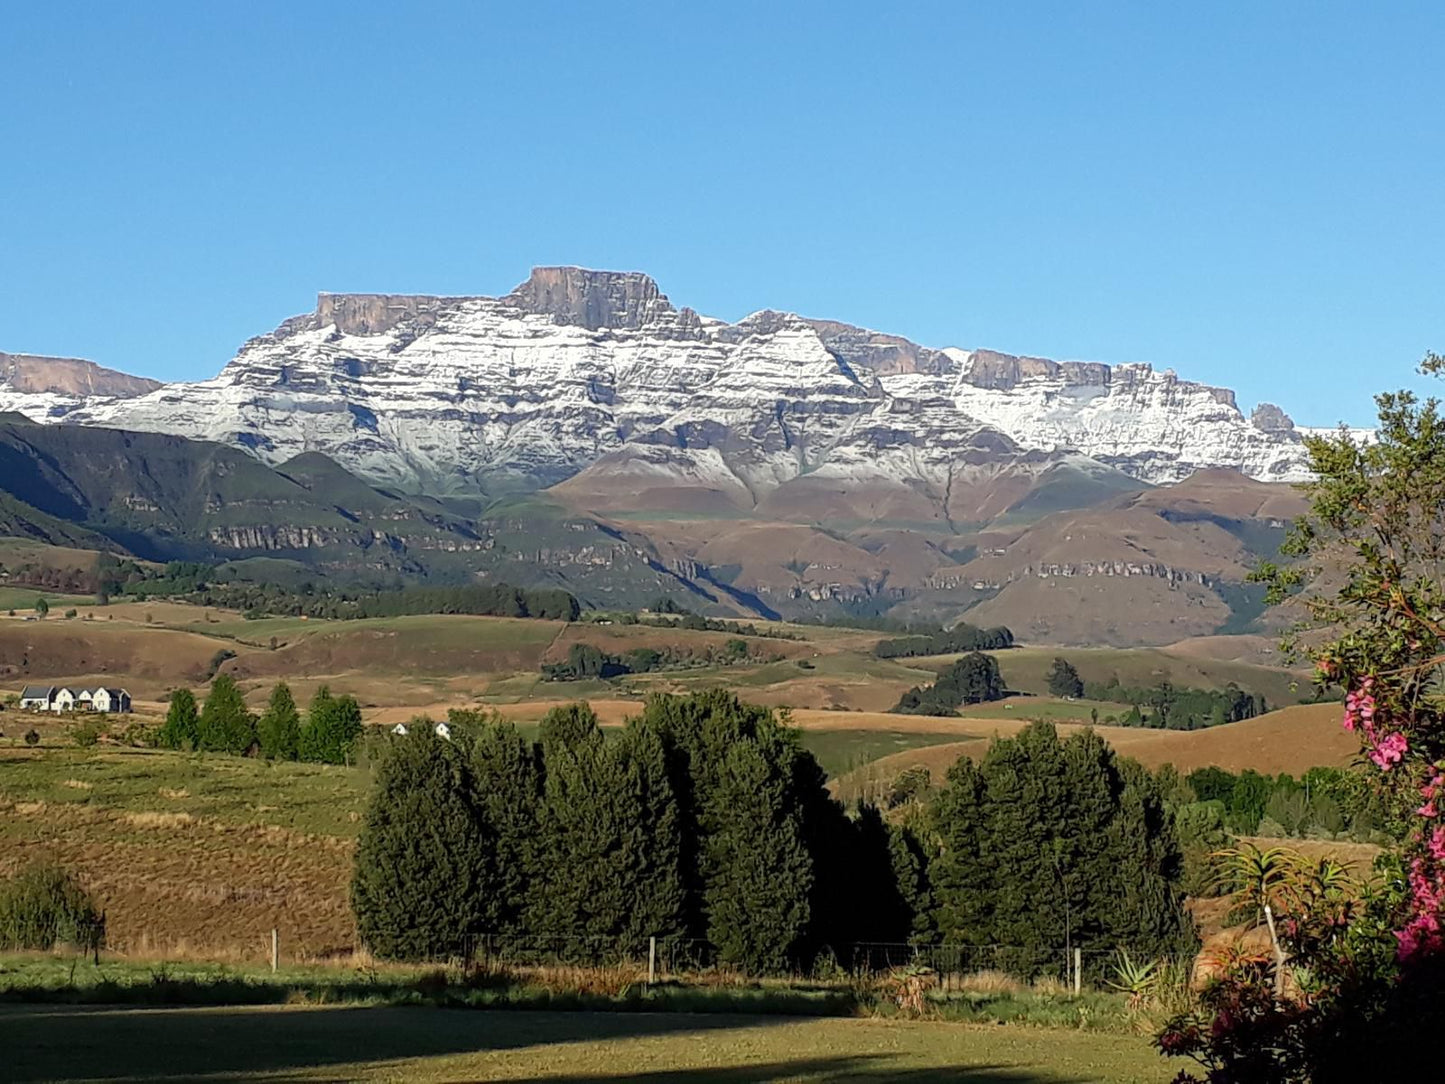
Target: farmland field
x=331, y=1043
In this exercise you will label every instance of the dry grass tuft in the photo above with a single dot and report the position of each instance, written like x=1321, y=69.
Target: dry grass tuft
x=78, y=784
x=174, y=793
x=1050, y=986
x=152, y=819
x=605, y=981
x=991, y=982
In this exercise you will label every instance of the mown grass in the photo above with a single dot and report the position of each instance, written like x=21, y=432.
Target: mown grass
x=336, y=1043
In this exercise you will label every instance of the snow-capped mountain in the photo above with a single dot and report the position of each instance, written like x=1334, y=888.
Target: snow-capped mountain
x=597, y=372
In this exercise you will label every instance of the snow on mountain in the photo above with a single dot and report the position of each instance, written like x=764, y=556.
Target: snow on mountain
x=576, y=368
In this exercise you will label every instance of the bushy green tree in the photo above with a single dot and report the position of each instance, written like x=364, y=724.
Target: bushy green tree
x=420, y=888
x=43, y=906
x=225, y=725
x=508, y=796
x=181, y=730
x=333, y=724
x=610, y=832
x=1064, y=680
x=736, y=775
x=756, y=870
x=279, y=730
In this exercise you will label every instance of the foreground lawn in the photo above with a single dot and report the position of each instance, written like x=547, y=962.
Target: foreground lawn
x=414, y=1044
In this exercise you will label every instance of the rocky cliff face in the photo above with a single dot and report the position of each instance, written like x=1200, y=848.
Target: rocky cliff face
x=66, y=378
x=578, y=368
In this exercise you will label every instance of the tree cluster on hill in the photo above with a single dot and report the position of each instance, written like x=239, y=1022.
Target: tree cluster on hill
x=705, y=819
x=1326, y=803
x=948, y=642
x=196, y=582
x=972, y=679
x=589, y=661
x=1164, y=706
x=223, y=724
x=68, y=581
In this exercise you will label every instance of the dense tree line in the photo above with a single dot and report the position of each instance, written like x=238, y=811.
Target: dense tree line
x=948, y=642
x=704, y=818
x=224, y=724
x=1326, y=803
x=586, y=661
x=972, y=679
x=198, y=583
x=1046, y=843
x=1165, y=706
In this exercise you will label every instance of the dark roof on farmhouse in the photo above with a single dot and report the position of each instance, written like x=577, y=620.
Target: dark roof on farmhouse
x=37, y=692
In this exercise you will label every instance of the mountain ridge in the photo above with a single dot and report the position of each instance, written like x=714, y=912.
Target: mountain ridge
x=523, y=391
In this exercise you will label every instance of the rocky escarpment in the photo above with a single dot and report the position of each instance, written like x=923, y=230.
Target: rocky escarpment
x=34, y=374
x=594, y=371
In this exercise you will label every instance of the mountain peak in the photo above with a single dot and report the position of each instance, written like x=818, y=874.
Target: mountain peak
x=592, y=299
x=36, y=374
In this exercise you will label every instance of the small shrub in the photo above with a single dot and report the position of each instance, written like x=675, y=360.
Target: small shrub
x=44, y=906
x=88, y=733
x=70, y=614
x=32, y=736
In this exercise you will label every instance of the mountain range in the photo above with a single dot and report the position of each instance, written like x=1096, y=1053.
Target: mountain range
x=584, y=430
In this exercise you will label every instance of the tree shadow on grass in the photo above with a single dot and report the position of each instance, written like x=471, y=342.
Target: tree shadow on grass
x=81, y=1043
x=857, y=1069
x=70, y=1043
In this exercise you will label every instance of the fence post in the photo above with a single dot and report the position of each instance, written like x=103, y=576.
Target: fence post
x=651, y=960
x=1078, y=970
x=275, y=949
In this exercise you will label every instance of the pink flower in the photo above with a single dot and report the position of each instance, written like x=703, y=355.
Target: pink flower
x=1428, y=810
x=1437, y=844
x=1389, y=750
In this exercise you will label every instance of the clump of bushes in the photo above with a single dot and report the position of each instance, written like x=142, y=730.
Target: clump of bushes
x=44, y=906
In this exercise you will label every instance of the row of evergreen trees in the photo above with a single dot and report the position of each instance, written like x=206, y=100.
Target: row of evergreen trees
x=704, y=818
x=962, y=637
x=224, y=724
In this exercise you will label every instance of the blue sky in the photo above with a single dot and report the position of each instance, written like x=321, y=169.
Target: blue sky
x=1250, y=193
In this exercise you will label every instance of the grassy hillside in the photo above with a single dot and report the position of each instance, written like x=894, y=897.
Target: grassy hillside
x=1291, y=740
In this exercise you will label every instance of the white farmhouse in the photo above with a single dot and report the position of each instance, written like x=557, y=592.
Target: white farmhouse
x=37, y=697
x=115, y=701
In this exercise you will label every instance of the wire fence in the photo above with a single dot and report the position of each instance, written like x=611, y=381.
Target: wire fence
x=681, y=956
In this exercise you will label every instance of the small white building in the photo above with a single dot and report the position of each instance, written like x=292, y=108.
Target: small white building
x=64, y=700
x=114, y=701
x=37, y=697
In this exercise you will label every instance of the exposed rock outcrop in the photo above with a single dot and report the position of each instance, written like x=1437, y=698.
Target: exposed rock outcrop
x=598, y=371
